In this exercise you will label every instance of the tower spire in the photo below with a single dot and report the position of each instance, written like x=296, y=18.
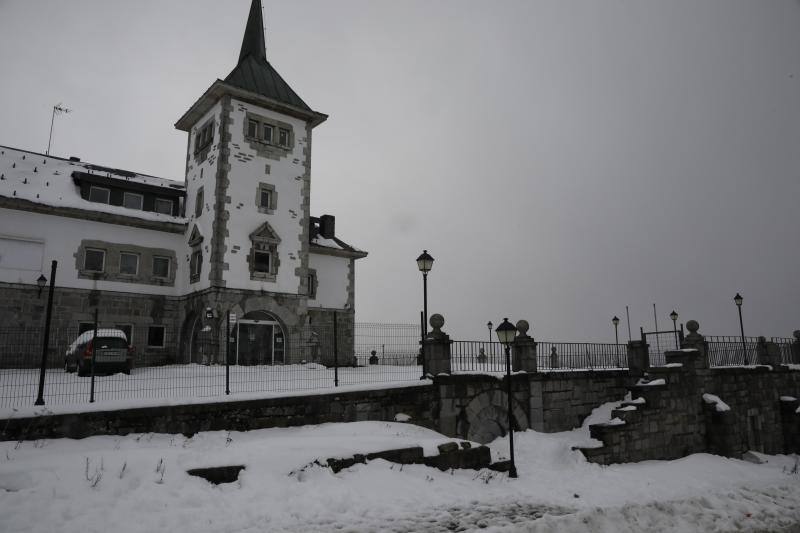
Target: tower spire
x=253, y=41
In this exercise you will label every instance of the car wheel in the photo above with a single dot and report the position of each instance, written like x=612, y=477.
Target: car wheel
x=82, y=370
x=68, y=368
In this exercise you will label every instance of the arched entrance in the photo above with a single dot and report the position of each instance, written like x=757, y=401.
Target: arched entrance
x=260, y=340
x=200, y=343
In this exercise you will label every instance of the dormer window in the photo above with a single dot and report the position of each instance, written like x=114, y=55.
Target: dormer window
x=131, y=200
x=268, y=133
x=100, y=195
x=283, y=137
x=263, y=257
x=163, y=206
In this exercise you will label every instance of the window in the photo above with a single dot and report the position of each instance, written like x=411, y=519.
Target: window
x=198, y=203
x=283, y=137
x=99, y=194
x=266, y=198
x=204, y=136
x=155, y=336
x=195, y=266
x=160, y=267
x=131, y=200
x=262, y=261
x=311, y=280
x=128, y=263
x=267, y=133
x=127, y=329
x=252, y=128
x=94, y=260
x=163, y=206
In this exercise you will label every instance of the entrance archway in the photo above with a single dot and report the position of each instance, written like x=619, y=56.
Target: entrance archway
x=260, y=340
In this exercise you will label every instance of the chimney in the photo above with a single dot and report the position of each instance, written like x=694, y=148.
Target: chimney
x=327, y=225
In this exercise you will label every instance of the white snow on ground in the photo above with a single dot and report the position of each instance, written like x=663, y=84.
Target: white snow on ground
x=653, y=383
x=138, y=483
x=719, y=404
x=788, y=399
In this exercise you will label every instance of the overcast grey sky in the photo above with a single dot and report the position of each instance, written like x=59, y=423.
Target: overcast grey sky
x=559, y=159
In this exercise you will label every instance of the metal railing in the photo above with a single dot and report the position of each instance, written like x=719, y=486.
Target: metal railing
x=477, y=356
x=312, y=357
x=660, y=342
x=730, y=351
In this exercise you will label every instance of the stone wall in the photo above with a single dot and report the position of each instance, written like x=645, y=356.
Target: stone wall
x=382, y=404
x=475, y=406
x=671, y=414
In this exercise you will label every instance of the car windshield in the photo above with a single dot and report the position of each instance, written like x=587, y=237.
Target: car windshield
x=111, y=342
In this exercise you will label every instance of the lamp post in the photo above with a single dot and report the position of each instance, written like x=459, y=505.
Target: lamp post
x=674, y=316
x=615, y=321
x=425, y=263
x=738, y=300
x=489, y=327
x=505, y=334
x=42, y=369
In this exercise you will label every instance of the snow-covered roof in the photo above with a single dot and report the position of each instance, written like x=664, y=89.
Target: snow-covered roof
x=48, y=180
x=336, y=245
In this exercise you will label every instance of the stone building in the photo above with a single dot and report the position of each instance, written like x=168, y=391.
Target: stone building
x=167, y=261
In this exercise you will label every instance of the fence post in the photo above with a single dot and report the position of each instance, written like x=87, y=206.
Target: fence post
x=335, y=351
x=94, y=352
x=696, y=341
x=524, y=349
x=422, y=343
x=228, y=352
x=436, y=348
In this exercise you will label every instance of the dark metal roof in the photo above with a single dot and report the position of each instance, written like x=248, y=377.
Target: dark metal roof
x=253, y=72
x=253, y=40
x=256, y=75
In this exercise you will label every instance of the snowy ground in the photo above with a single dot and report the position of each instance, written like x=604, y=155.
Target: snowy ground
x=138, y=483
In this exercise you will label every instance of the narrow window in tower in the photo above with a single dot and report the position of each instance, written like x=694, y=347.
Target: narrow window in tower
x=283, y=137
x=252, y=128
x=267, y=134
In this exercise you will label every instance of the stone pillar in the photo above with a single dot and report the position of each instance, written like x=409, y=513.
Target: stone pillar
x=638, y=357
x=437, y=348
x=767, y=353
x=796, y=348
x=695, y=341
x=523, y=354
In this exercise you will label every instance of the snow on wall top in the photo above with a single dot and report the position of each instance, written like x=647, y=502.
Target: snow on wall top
x=47, y=180
x=334, y=243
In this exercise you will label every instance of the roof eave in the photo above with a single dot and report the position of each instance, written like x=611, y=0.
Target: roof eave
x=324, y=250
x=219, y=88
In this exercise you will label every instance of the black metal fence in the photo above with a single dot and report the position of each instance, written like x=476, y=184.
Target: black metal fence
x=477, y=356
x=660, y=342
x=193, y=364
x=731, y=351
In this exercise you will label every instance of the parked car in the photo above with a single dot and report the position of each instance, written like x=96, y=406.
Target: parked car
x=111, y=351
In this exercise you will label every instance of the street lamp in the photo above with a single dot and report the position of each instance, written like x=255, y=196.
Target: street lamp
x=489, y=327
x=46, y=337
x=505, y=334
x=738, y=300
x=615, y=321
x=674, y=316
x=41, y=282
x=425, y=263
